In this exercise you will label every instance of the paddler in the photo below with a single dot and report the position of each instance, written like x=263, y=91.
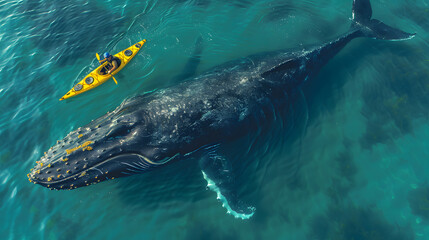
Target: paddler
x=114, y=63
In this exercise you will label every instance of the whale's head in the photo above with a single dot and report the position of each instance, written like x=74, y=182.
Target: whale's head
x=117, y=144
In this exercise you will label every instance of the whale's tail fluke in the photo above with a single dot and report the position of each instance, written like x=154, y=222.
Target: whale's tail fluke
x=362, y=26
x=373, y=28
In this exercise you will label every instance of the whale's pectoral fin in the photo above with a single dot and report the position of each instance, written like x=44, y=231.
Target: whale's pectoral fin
x=193, y=62
x=217, y=171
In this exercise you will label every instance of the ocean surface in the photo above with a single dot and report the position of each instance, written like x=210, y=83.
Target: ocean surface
x=350, y=162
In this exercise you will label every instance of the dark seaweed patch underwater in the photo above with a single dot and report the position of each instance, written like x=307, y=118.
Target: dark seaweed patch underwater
x=346, y=161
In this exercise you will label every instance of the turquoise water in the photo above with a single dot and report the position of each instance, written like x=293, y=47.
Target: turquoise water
x=351, y=163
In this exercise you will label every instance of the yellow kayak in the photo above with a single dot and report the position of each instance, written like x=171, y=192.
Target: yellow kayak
x=96, y=78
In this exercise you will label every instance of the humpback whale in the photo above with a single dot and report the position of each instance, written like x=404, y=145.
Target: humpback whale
x=196, y=117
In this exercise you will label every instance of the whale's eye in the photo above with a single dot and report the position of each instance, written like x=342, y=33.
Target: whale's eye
x=117, y=132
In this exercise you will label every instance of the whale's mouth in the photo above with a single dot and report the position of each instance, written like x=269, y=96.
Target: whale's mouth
x=111, y=146
x=74, y=176
x=112, y=167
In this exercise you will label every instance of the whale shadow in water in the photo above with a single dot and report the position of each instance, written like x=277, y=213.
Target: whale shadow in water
x=67, y=30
